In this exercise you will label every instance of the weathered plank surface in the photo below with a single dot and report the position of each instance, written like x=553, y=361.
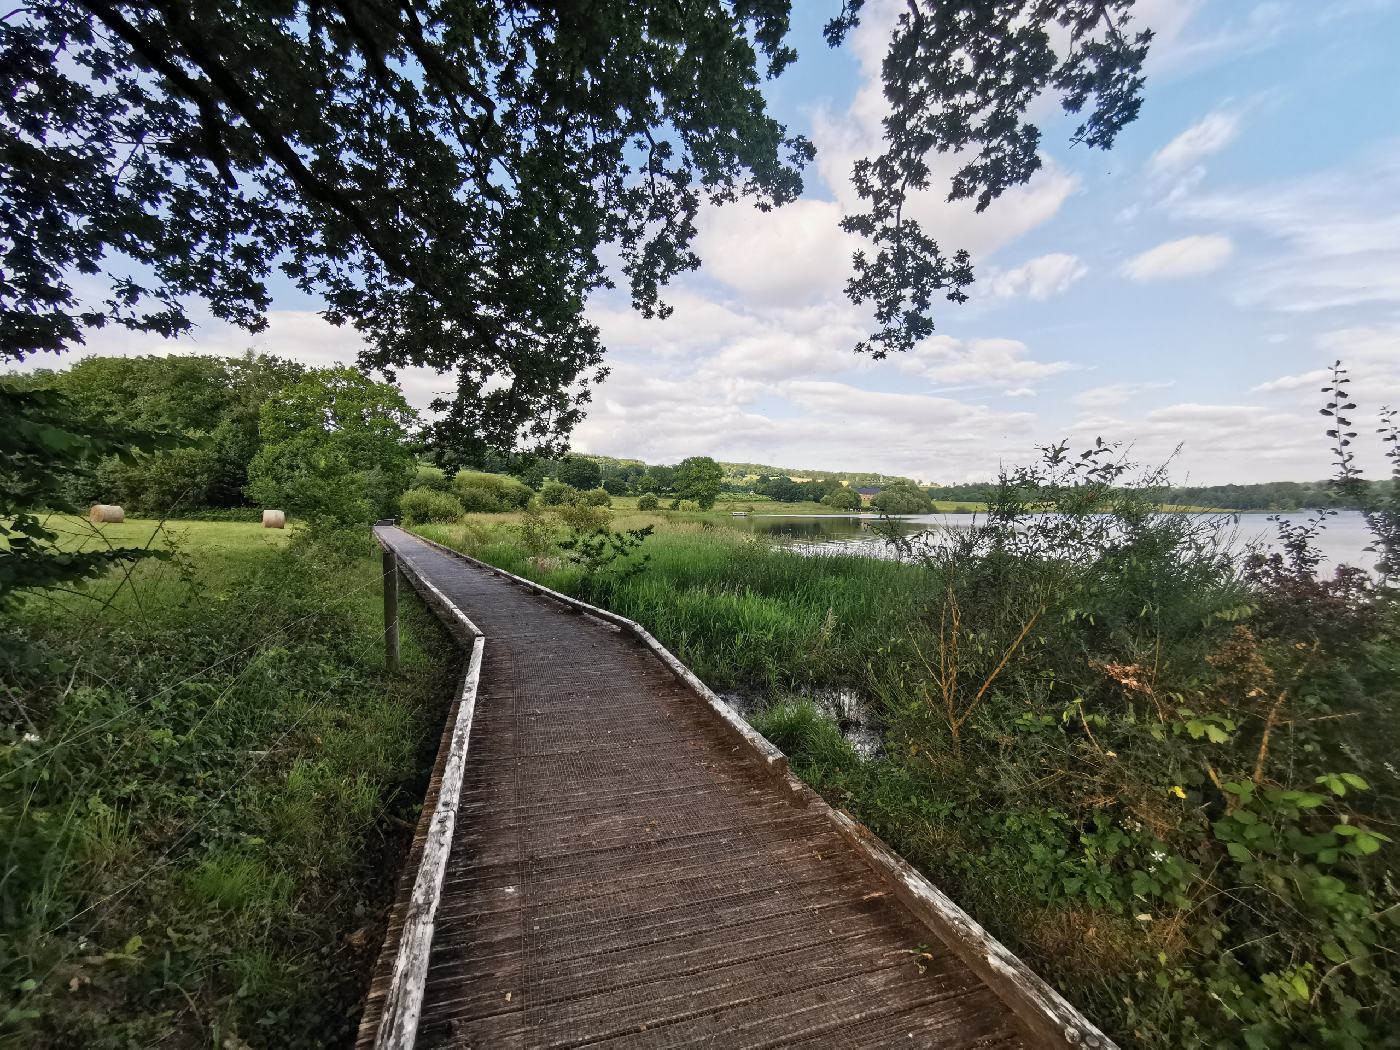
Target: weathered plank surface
x=628, y=870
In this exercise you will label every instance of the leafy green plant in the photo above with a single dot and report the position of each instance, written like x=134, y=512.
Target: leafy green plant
x=557, y=494
x=583, y=517
x=604, y=551
x=429, y=505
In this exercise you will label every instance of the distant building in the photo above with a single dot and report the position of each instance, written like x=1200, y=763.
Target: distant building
x=868, y=494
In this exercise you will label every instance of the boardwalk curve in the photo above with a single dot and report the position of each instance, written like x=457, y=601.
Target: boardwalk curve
x=627, y=864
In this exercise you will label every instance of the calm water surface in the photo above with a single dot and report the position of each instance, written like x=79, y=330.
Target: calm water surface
x=1342, y=542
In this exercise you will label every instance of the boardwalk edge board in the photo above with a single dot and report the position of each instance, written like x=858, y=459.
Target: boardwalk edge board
x=397, y=1021
x=1048, y=1017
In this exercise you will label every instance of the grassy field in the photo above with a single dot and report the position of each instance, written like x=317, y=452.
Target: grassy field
x=1083, y=746
x=206, y=789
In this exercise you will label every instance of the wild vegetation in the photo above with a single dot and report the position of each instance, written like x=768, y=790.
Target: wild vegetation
x=206, y=781
x=1164, y=777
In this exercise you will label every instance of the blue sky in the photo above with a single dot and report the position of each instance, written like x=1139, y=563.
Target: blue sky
x=1184, y=289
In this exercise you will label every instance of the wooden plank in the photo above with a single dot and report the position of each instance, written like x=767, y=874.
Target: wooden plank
x=764, y=751
x=398, y=1027
x=1045, y=1014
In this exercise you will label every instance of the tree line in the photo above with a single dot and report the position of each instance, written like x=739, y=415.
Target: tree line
x=1280, y=496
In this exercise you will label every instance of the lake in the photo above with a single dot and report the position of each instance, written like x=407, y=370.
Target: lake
x=1342, y=542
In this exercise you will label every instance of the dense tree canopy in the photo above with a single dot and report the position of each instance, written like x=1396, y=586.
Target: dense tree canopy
x=443, y=175
x=446, y=176
x=211, y=404
x=903, y=499
x=334, y=448
x=698, y=478
x=580, y=473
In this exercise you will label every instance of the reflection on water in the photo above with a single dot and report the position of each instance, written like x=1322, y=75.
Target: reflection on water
x=1342, y=542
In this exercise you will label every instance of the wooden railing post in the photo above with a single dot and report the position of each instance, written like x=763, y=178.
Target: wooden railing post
x=391, y=611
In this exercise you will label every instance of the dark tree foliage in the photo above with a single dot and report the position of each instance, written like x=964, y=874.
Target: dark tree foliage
x=580, y=473
x=39, y=452
x=959, y=78
x=442, y=174
x=212, y=401
x=698, y=478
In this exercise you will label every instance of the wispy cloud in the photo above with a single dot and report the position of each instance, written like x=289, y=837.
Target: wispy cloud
x=1187, y=257
x=1211, y=134
x=1038, y=278
x=1334, y=237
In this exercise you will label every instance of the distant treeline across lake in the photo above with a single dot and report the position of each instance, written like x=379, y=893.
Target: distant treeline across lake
x=1268, y=496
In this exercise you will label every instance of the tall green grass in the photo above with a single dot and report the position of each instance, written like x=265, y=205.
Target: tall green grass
x=740, y=613
x=205, y=789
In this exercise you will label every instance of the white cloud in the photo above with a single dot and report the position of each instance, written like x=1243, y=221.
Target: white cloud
x=1117, y=393
x=697, y=323
x=1039, y=278
x=1177, y=50
x=1335, y=236
x=1296, y=382
x=786, y=256
x=1207, y=136
x=1369, y=353
x=1186, y=257
x=1003, y=363
x=1177, y=168
x=1374, y=344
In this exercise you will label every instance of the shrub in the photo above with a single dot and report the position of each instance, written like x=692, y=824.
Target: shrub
x=556, y=494
x=647, y=502
x=597, y=498
x=422, y=504
x=684, y=504
x=536, y=532
x=477, y=500
x=584, y=517
x=507, y=492
x=428, y=476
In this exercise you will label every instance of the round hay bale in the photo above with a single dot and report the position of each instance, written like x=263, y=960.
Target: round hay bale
x=106, y=512
x=274, y=519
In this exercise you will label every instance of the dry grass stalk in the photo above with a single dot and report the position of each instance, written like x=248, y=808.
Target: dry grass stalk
x=949, y=667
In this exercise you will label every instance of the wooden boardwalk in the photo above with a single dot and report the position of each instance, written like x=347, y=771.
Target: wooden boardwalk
x=630, y=866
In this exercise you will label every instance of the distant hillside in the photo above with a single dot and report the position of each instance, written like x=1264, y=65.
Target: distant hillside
x=735, y=472
x=852, y=477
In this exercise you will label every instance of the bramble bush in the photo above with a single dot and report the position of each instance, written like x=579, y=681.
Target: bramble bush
x=1190, y=767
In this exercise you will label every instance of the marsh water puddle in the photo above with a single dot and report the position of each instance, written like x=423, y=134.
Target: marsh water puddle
x=852, y=715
